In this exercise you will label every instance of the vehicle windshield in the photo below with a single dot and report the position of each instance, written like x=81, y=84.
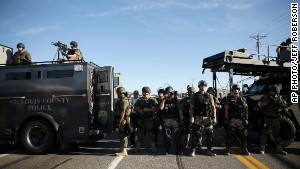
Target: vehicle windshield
x=256, y=89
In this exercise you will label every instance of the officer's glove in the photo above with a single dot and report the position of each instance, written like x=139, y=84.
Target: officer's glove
x=214, y=121
x=192, y=120
x=246, y=123
x=64, y=53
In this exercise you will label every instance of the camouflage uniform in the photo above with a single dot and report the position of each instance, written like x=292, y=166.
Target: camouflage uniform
x=203, y=122
x=76, y=52
x=272, y=120
x=123, y=105
x=145, y=120
x=171, y=124
x=20, y=58
x=237, y=120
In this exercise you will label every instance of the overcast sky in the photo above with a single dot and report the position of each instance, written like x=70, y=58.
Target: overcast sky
x=151, y=42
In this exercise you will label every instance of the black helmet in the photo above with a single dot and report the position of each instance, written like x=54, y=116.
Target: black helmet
x=169, y=89
x=275, y=88
x=191, y=89
x=211, y=88
x=235, y=86
x=202, y=82
x=161, y=90
x=74, y=43
x=20, y=45
x=121, y=90
x=146, y=89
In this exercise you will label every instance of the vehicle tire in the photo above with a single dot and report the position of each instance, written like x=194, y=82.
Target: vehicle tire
x=38, y=137
x=287, y=132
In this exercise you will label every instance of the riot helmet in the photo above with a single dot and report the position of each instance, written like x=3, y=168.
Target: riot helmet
x=160, y=90
x=202, y=82
x=146, y=89
x=275, y=88
x=211, y=89
x=169, y=90
x=235, y=86
x=191, y=89
x=20, y=45
x=73, y=43
x=121, y=90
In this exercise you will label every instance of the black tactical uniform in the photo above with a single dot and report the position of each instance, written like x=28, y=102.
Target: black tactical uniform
x=158, y=117
x=171, y=118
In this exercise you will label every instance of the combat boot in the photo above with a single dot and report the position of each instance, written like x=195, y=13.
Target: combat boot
x=227, y=152
x=246, y=152
x=280, y=151
x=153, y=147
x=137, y=147
x=193, y=153
x=122, y=153
x=262, y=150
x=211, y=153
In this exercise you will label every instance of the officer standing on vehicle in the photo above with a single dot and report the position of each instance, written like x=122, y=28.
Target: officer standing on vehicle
x=74, y=53
x=133, y=117
x=185, y=103
x=158, y=116
x=271, y=104
x=145, y=106
x=21, y=57
x=172, y=116
x=124, y=120
x=203, y=117
x=236, y=118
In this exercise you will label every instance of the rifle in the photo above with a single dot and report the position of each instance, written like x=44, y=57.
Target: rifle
x=62, y=48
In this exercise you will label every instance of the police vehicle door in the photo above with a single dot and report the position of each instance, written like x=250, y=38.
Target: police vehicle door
x=103, y=103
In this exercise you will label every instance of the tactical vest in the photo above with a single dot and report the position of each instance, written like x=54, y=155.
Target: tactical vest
x=146, y=103
x=236, y=106
x=185, y=102
x=202, y=105
x=171, y=109
x=274, y=104
x=118, y=106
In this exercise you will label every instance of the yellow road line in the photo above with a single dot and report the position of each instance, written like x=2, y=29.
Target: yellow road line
x=256, y=162
x=245, y=162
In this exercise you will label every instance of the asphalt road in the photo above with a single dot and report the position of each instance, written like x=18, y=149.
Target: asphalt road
x=101, y=155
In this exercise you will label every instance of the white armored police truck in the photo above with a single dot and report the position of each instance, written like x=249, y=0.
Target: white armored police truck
x=46, y=103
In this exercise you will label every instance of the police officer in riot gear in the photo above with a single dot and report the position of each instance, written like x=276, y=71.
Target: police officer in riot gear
x=123, y=110
x=145, y=106
x=271, y=105
x=21, y=57
x=158, y=116
x=74, y=53
x=236, y=118
x=203, y=117
x=172, y=116
x=211, y=91
x=185, y=103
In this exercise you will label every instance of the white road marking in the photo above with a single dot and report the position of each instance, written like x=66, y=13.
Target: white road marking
x=9, y=153
x=116, y=161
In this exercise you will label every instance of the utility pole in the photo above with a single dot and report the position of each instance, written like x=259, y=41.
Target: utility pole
x=257, y=38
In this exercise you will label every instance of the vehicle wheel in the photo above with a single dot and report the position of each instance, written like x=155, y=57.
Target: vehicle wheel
x=287, y=132
x=38, y=137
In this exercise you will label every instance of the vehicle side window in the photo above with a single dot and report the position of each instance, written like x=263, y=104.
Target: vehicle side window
x=257, y=89
x=18, y=76
x=60, y=73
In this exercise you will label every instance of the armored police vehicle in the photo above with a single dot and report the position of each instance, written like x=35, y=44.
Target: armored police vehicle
x=270, y=72
x=46, y=103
